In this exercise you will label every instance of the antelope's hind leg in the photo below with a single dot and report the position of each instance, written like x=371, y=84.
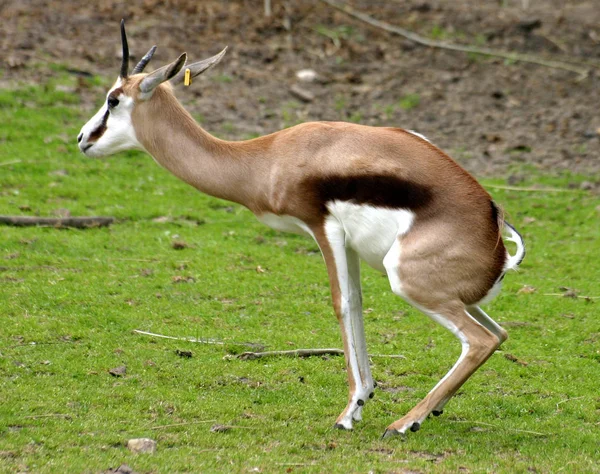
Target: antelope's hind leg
x=478, y=344
x=343, y=267
x=482, y=318
x=479, y=337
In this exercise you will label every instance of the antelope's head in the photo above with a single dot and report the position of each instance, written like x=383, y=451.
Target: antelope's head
x=113, y=129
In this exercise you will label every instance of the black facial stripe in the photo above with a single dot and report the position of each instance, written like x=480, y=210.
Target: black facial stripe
x=96, y=134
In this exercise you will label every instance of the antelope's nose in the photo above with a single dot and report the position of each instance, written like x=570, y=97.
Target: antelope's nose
x=79, y=137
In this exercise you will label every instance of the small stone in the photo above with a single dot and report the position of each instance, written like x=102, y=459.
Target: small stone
x=302, y=94
x=118, y=371
x=122, y=469
x=184, y=354
x=141, y=445
x=179, y=244
x=219, y=428
x=306, y=75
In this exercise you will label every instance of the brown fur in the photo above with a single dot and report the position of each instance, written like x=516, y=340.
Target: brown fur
x=295, y=171
x=451, y=256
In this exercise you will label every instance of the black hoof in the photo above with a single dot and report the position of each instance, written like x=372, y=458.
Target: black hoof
x=390, y=433
x=415, y=427
x=339, y=426
x=360, y=403
x=371, y=395
x=437, y=412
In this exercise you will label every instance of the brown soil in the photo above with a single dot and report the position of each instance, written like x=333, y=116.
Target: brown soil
x=489, y=114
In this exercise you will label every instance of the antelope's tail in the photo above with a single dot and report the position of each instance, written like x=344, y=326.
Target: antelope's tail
x=514, y=260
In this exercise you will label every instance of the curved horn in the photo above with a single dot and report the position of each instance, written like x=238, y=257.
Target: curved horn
x=144, y=61
x=125, y=63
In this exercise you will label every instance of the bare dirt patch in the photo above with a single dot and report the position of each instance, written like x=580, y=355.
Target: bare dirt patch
x=488, y=113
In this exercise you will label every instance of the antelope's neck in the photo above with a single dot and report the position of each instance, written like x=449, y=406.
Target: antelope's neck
x=216, y=167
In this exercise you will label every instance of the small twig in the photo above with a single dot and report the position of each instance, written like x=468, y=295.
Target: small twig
x=33, y=343
x=574, y=297
x=306, y=353
x=454, y=47
x=533, y=190
x=49, y=415
x=182, y=424
x=13, y=162
x=197, y=341
x=568, y=400
x=76, y=222
x=501, y=427
x=298, y=464
x=187, y=339
x=294, y=353
x=390, y=356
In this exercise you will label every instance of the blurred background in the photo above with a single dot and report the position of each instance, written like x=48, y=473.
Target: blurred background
x=294, y=61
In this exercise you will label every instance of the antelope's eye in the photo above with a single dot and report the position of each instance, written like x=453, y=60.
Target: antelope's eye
x=112, y=102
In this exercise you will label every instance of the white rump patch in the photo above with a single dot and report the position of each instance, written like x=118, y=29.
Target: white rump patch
x=371, y=231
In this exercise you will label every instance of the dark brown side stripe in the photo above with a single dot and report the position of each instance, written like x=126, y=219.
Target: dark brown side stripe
x=379, y=191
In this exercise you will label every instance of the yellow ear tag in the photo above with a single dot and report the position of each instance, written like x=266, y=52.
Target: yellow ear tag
x=187, y=80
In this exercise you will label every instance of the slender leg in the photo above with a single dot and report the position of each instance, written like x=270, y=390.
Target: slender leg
x=482, y=318
x=488, y=322
x=343, y=267
x=478, y=344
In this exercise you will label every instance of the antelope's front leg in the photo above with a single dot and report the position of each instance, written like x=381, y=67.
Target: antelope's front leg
x=343, y=267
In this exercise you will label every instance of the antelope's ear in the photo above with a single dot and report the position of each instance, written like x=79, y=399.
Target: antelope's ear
x=198, y=68
x=152, y=80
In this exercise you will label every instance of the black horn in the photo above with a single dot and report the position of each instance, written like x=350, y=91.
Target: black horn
x=125, y=63
x=145, y=60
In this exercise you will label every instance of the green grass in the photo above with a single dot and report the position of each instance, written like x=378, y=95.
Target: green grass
x=71, y=299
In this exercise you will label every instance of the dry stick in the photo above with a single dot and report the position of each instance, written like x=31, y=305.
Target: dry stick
x=13, y=162
x=187, y=339
x=574, y=297
x=49, y=415
x=568, y=400
x=182, y=424
x=257, y=355
x=534, y=190
x=77, y=222
x=456, y=47
x=198, y=341
x=389, y=356
x=294, y=353
x=502, y=427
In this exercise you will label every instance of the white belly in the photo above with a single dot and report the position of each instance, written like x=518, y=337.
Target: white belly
x=371, y=231
x=285, y=224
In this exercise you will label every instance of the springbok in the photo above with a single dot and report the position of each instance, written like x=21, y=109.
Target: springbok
x=385, y=195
